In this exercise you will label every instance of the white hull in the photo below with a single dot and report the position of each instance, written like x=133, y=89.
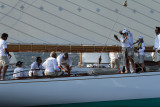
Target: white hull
x=79, y=89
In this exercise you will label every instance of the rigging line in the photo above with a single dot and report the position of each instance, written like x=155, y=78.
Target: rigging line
x=121, y=14
x=156, y=1
x=112, y=29
x=74, y=23
x=108, y=18
x=38, y=29
x=21, y=15
x=56, y=26
x=23, y=33
x=14, y=39
x=137, y=12
x=9, y=10
x=145, y=6
x=65, y=29
x=82, y=18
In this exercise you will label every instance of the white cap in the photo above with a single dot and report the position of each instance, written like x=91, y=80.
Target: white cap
x=140, y=37
x=124, y=31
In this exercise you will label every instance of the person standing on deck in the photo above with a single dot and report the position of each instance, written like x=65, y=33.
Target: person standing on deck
x=114, y=60
x=64, y=61
x=36, y=68
x=157, y=46
x=130, y=49
x=125, y=45
x=50, y=65
x=4, y=61
x=140, y=50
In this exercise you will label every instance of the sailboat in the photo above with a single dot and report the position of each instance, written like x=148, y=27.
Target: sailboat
x=79, y=26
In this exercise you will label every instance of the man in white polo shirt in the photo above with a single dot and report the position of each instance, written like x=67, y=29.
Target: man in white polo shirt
x=65, y=62
x=50, y=65
x=36, y=68
x=125, y=45
x=4, y=61
x=130, y=49
x=157, y=46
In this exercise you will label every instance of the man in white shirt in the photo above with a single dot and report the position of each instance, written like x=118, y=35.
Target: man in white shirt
x=125, y=45
x=130, y=49
x=64, y=61
x=4, y=61
x=50, y=65
x=114, y=60
x=36, y=68
x=140, y=50
x=18, y=71
x=157, y=46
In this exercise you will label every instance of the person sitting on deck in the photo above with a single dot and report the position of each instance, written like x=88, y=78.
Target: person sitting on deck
x=36, y=68
x=64, y=61
x=114, y=60
x=50, y=65
x=18, y=71
x=140, y=50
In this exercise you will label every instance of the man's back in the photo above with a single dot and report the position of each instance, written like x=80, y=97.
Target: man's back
x=60, y=60
x=50, y=64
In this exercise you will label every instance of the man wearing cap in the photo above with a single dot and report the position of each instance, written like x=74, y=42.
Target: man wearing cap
x=36, y=68
x=140, y=50
x=4, y=61
x=50, y=65
x=131, y=49
x=64, y=61
x=157, y=46
x=18, y=71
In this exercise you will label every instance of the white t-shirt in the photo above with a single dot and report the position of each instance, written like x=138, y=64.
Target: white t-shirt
x=50, y=65
x=142, y=49
x=34, y=65
x=60, y=60
x=130, y=37
x=3, y=45
x=156, y=43
x=18, y=72
x=125, y=43
x=113, y=55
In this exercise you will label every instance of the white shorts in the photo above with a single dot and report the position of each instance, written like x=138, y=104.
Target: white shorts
x=4, y=61
x=54, y=74
x=141, y=59
x=130, y=51
x=157, y=56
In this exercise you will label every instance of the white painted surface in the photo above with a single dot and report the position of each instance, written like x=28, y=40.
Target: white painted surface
x=79, y=89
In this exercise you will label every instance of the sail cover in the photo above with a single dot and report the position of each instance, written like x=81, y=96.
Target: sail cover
x=77, y=22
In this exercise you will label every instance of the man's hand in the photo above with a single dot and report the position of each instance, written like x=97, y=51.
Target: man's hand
x=70, y=67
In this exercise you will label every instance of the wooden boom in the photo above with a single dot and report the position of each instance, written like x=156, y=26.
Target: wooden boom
x=65, y=48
